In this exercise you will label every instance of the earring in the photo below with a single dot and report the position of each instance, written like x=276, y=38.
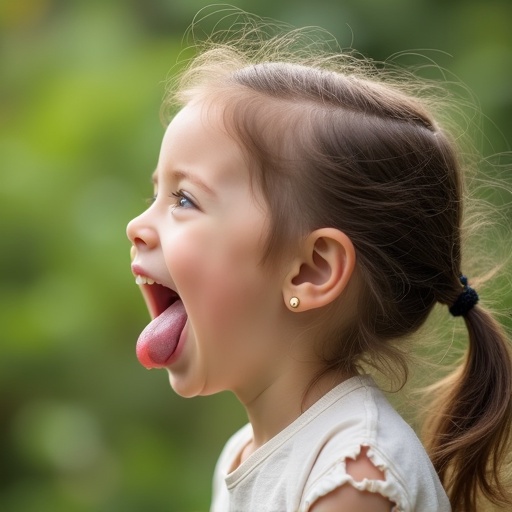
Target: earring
x=294, y=302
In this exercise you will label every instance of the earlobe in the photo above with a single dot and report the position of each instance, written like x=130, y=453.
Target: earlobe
x=321, y=270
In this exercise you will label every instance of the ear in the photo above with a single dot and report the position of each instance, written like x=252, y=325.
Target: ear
x=321, y=270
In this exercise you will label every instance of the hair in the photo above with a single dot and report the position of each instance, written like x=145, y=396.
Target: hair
x=335, y=141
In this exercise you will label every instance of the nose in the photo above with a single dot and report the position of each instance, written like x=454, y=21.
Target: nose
x=141, y=233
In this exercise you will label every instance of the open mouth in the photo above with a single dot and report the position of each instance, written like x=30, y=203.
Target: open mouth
x=158, y=342
x=158, y=298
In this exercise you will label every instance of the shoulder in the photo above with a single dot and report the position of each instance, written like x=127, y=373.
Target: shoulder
x=371, y=459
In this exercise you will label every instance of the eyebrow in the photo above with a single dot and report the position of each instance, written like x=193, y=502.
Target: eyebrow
x=180, y=175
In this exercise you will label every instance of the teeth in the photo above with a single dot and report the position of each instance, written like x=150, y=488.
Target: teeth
x=144, y=280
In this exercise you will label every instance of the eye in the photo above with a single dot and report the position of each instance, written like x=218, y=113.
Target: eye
x=150, y=200
x=182, y=200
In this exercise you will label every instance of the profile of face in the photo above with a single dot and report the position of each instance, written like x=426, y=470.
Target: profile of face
x=217, y=311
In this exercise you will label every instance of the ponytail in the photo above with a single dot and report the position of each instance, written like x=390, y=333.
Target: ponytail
x=467, y=433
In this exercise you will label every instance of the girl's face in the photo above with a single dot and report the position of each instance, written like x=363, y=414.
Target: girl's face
x=203, y=237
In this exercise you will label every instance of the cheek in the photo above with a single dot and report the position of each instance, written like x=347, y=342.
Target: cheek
x=218, y=275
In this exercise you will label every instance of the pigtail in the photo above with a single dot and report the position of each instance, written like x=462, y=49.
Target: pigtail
x=468, y=429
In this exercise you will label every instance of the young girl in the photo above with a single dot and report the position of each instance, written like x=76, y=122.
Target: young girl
x=306, y=220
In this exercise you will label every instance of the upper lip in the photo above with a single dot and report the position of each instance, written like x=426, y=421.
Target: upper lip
x=137, y=270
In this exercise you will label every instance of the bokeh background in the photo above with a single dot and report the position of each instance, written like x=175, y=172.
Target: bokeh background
x=83, y=427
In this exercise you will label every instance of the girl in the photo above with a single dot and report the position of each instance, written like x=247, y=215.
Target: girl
x=306, y=220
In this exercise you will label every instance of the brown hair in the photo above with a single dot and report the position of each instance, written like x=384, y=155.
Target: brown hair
x=332, y=144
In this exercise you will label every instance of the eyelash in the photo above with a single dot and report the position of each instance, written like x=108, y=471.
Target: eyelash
x=181, y=196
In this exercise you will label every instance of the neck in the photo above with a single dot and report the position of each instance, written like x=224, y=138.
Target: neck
x=282, y=401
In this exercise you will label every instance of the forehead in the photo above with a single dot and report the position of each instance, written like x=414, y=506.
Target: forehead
x=196, y=141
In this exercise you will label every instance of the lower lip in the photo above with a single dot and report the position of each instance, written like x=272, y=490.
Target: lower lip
x=179, y=348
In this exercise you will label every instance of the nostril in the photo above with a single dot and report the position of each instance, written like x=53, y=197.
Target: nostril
x=140, y=243
x=145, y=239
x=141, y=232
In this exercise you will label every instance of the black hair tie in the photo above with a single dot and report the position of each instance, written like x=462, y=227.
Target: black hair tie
x=466, y=300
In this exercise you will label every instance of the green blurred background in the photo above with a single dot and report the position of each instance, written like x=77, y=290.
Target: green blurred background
x=83, y=427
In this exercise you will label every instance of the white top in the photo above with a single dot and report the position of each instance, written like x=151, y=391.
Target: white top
x=307, y=459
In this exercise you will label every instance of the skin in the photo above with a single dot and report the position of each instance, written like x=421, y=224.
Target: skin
x=204, y=237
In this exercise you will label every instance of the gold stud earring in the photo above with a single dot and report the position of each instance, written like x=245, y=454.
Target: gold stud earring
x=294, y=302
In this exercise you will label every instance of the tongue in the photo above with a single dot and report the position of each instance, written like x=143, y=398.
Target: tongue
x=159, y=339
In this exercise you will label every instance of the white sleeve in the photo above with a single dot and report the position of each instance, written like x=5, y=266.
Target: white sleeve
x=336, y=475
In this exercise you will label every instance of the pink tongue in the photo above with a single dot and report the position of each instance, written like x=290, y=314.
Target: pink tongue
x=159, y=339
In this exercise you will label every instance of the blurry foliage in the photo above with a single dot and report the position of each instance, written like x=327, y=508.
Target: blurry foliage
x=83, y=426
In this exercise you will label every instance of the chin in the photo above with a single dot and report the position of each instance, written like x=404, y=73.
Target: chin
x=185, y=389
x=190, y=390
